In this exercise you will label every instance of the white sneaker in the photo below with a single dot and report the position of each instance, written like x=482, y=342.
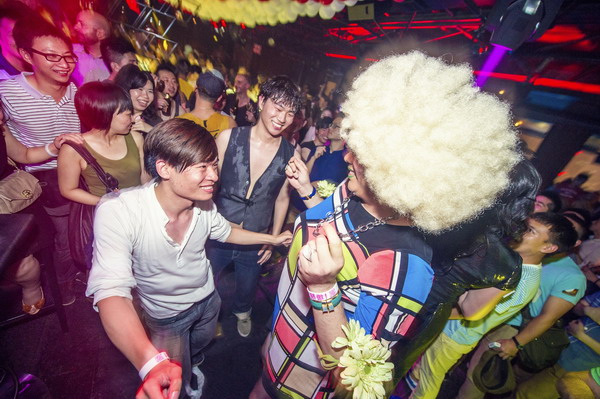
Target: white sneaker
x=244, y=324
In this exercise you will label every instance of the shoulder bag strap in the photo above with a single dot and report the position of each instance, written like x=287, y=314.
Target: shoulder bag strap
x=526, y=315
x=107, y=179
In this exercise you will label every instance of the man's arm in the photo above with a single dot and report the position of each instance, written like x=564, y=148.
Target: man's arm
x=26, y=155
x=318, y=153
x=553, y=309
x=123, y=327
x=476, y=304
x=281, y=206
x=125, y=330
x=319, y=263
x=577, y=329
x=280, y=210
x=245, y=237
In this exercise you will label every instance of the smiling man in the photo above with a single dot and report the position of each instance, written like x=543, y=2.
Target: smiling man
x=39, y=107
x=254, y=191
x=152, y=238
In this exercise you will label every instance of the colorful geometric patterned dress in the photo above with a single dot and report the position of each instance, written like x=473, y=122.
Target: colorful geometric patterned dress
x=385, y=280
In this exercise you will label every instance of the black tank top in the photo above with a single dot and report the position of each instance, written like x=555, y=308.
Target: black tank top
x=256, y=212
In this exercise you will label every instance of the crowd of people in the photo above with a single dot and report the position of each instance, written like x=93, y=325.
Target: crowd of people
x=417, y=231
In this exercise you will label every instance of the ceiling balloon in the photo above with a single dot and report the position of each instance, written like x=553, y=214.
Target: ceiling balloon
x=261, y=12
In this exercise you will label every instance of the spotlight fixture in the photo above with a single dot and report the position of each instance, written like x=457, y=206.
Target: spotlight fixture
x=514, y=22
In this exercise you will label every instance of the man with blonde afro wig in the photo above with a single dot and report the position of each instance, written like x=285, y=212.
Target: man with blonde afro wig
x=440, y=150
x=436, y=156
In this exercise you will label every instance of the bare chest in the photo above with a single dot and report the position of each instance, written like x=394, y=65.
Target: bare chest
x=261, y=156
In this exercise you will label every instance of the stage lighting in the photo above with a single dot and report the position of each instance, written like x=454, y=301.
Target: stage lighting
x=513, y=22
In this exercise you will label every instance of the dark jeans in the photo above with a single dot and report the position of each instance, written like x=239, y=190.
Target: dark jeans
x=184, y=336
x=246, y=268
x=57, y=208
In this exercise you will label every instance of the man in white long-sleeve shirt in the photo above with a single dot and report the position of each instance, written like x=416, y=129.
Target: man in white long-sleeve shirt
x=152, y=238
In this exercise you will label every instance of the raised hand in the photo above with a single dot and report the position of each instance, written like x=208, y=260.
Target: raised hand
x=321, y=260
x=298, y=176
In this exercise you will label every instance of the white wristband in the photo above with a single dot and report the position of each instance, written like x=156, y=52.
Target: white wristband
x=151, y=363
x=47, y=148
x=324, y=296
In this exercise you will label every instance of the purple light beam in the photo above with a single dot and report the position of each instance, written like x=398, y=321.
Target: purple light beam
x=491, y=63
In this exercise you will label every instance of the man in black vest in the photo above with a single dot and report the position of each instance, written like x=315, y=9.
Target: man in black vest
x=254, y=191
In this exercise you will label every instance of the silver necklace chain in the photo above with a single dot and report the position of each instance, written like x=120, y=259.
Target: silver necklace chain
x=338, y=210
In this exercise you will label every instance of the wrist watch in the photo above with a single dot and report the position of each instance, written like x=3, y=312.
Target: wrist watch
x=519, y=346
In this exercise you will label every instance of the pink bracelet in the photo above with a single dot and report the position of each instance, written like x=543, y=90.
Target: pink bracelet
x=324, y=296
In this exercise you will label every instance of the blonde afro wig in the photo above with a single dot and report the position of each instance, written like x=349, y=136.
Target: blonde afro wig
x=434, y=147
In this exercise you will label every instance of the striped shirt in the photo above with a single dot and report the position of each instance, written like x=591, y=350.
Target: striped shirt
x=35, y=119
x=467, y=332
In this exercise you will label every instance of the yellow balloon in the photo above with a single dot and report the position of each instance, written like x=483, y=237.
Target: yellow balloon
x=337, y=5
x=296, y=7
x=272, y=20
x=326, y=12
x=312, y=8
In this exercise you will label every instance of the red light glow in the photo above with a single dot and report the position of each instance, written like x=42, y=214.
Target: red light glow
x=346, y=57
x=504, y=76
x=561, y=34
x=544, y=82
x=564, y=84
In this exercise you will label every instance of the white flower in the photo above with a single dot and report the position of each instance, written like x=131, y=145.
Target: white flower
x=325, y=188
x=364, y=362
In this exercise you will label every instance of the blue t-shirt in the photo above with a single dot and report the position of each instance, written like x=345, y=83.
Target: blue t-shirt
x=578, y=356
x=561, y=278
x=330, y=166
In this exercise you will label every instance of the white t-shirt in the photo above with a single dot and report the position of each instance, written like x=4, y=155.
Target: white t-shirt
x=132, y=249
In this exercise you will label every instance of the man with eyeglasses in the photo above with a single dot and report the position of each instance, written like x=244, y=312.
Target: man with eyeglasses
x=39, y=107
x=91, y=28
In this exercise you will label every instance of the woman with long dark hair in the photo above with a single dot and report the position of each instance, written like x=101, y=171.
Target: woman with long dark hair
x=141, y=89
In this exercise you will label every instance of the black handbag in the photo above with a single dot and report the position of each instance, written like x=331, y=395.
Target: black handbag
x=543, y=351
x=81, y=216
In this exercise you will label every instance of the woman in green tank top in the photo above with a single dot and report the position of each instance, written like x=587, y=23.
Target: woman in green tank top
x=105, y=109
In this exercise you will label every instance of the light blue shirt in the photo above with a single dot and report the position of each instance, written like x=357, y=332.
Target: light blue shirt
x=561, y=278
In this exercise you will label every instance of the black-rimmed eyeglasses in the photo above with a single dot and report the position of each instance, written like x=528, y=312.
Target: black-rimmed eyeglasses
x=70, y=59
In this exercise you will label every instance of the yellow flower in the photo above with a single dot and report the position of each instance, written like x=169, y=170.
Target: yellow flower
x=325, y=188
x=364, y=362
